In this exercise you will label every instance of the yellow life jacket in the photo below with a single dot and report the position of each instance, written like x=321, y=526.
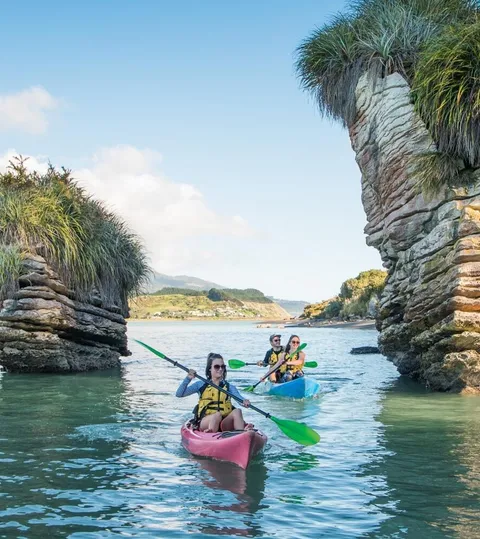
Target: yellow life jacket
x=274, y=356
x=290, y=368
x=212, y=400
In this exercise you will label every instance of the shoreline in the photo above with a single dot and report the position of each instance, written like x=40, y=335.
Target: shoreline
x=338, y=324
x=274, y=324
x=212, y=319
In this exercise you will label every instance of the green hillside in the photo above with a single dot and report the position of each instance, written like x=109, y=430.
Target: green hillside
x=188, y=304
x=358, y=298
x=160, y=280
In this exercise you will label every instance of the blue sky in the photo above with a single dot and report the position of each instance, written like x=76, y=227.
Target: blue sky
x=186, y=117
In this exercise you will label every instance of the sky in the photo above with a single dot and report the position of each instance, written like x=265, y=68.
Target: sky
x=187, y=119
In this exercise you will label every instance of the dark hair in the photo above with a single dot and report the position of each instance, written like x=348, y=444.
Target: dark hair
x=211, y=356
x=273, y=337
x=287, y=348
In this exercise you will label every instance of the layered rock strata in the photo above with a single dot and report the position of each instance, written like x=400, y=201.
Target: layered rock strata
x=44, y=329
x=429, y=319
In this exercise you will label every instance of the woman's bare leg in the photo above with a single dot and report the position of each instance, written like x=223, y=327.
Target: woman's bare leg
x=211, y=423
x=234, y=421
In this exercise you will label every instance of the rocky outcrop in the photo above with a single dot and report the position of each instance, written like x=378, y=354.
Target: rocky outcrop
x=429, y=319
x=365, y=350
x=44, y=329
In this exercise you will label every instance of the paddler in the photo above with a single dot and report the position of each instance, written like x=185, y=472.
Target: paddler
x=291, y=361
x=214, y=411
x=272, y=356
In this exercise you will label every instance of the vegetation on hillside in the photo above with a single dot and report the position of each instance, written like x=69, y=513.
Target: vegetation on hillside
x=357, y=298
x=234, y=295
x=433, y=44
x=90, y=247
x=159, y=281
x=201, y=306
x=170, y=290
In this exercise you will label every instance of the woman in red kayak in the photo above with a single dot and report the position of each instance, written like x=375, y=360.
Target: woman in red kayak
x=214, y=411
x=292, y=361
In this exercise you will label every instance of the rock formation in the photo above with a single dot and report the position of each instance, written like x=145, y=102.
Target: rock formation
x=44, y=329
x=429, y=319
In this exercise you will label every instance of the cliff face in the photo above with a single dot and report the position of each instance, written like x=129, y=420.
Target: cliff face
x=43, y=329
x=429, y=318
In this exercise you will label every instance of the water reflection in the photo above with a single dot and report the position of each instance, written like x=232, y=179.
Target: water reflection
x=47, y=478
x=429, y=463
x=299, y=462
x=248, y=486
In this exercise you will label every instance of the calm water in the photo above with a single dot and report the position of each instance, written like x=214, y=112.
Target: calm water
x=99, y=454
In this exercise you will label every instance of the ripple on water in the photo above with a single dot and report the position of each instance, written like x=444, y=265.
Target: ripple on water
x=99, y=454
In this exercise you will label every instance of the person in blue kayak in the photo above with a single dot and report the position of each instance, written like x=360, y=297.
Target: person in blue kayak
x=272, y=356
x=291, y=361
x=214, y=411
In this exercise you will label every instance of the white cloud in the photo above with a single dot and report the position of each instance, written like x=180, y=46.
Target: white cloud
x=179, y=229
x=39, y=163
x=25, y=110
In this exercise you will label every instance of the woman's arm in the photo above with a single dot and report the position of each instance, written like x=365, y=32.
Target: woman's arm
x=184, y=391
x=300, y=361
x=234, y=391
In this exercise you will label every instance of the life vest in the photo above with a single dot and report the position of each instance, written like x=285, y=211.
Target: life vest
x=212, y=400
x=290, y=368
x=274, y=356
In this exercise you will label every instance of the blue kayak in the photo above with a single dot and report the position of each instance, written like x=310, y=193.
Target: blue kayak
x=300, y=388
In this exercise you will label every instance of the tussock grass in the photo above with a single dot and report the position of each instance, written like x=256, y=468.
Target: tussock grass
x=446, y=91
x=90, y=247
x=433, y=44
x=11, y=257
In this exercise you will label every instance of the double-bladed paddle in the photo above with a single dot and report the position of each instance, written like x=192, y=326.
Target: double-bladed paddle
x=299, y=432
x=238, y=364
x=251, y=389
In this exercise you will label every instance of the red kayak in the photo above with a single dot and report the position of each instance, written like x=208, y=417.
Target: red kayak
x=237, y=446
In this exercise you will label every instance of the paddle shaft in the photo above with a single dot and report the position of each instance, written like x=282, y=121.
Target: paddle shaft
x=238, y=364
x=209, y=382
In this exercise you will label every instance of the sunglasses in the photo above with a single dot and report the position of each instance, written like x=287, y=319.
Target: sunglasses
x=276, y=340
x=295, y=342
x=218, y=367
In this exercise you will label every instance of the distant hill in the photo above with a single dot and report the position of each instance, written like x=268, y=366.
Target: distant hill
x=186, y=304
x=160, y=280
x=216, y=294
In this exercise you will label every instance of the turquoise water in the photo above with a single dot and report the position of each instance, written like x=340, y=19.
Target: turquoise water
x=99, y=455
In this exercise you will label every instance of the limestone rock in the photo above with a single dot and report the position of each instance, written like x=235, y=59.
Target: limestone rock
x=365, y=350
x=44, y=329
x=429, y=313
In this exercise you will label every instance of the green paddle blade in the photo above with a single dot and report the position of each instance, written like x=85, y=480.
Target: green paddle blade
x=251, y=389
x=310, y=364
x=236, y=363
x=299, y=432
x=156, y=352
